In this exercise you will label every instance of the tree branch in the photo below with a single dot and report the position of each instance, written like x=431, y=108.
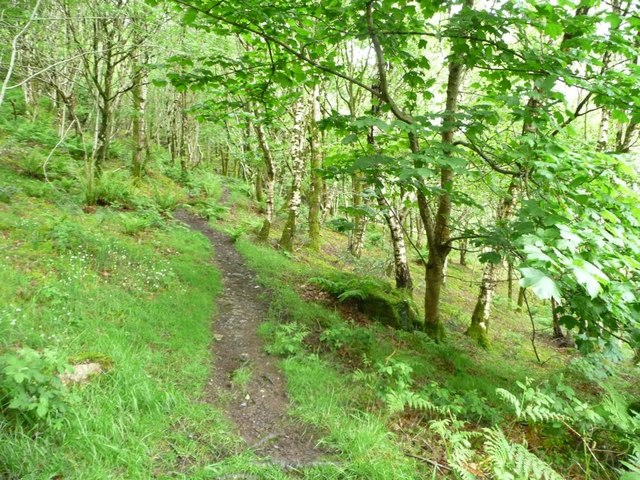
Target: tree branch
x=262, y=34
x=14, y=52
x=482, y=155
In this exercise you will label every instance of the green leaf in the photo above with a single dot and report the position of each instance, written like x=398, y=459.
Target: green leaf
x=190, y=16
x=535, y=253
x=351, y=138
x=554, y=30
x=570, y=240
x=490, y=257
x=589, y=276
x=542, y=285
x=587, y=280
x=630, y=476
x=613, y=20
x=620, y=116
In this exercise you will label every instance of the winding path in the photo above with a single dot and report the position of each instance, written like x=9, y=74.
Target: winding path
x=259, y=408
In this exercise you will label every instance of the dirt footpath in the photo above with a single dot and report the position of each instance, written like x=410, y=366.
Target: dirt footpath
x=247, y=382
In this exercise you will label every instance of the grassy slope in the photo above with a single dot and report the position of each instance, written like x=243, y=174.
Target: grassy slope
x=141, y=305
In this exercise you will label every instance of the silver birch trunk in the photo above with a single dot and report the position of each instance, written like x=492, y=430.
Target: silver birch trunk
x=603, y=133
x=400, y=260
x=297, y=170
x=269, y=181
x=479, y=327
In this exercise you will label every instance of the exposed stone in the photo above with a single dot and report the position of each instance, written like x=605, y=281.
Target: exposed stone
x=81, y=373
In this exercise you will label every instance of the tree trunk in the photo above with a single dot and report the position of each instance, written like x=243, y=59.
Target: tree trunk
x=270, y=181
x=521, y=297
x=400, y=261
x=479, y=328
x=315, y=195
x=297, y=167
x=510, y=281
x=102, y=138
x=481, y=313
x=626, y=140
x=14, y=52
x=433, y=279
x=445, y=270
x=224, y=161
x=462, y=245
x=438, y=228
x=419, y=230
x=557, y=329
x=182, y=132
x=603, y=133
x=356, y=240
x=258, y=185
x=392, y=218
x=138, y=128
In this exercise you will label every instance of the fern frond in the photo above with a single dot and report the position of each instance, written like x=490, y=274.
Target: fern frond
x=511, y=399
x=458, y=442
x=540, y=413
x=632, y=465
x=327, y=284
x=538, y=410
x=397, y=401
x=354, y=293
x=513, y=460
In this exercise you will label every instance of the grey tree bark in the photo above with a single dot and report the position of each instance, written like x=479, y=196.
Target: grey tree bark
x=269, y=181
x=297, y=171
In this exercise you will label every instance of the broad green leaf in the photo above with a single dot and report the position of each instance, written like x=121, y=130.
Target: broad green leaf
x=587, y=280
x=620, y=116
x=554, y=30
x=542, y=285
x=351, y=138
x=535, y=253
x=190, y=16
x=570, y=240
x=490, y=257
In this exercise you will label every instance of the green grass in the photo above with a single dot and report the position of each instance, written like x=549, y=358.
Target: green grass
x=140, y=300
x=241, y=378
x=365, y=446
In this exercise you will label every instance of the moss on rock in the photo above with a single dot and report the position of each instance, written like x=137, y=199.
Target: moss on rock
x=377, y=299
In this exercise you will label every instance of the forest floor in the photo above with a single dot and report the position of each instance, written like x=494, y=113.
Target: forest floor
x=247, y=382
x=288, y=383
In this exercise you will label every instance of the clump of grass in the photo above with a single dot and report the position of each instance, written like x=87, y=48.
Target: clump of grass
x=133, y=224
x=112, y=188
x=241, y=377
x=40, y=165
x=7, y=193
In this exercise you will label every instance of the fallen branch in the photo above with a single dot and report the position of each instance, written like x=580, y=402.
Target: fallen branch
x=429, y=461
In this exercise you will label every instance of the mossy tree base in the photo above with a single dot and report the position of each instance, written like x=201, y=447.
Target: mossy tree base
x=263, y=235
x=435, y=331
x=288, y=234
x=479, y=334
x=396, y=309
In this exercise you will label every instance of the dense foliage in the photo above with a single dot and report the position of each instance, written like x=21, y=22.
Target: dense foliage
x=477, y=145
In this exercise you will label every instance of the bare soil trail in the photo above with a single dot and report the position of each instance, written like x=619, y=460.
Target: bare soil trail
x=258, y=407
